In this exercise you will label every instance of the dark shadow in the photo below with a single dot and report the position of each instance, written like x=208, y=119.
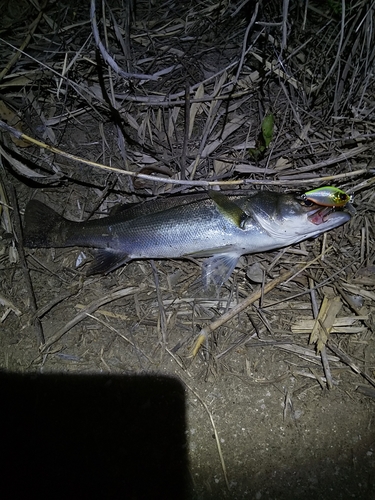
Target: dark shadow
x=76, y=436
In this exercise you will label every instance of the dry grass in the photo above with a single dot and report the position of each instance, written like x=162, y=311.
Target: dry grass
x=105, y=106
x=170, y=98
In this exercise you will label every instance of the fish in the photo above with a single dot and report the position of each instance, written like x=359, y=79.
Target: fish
x=221, y=227
x=327, y=196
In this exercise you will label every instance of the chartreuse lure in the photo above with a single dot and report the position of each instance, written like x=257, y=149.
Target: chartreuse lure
x=327, y=196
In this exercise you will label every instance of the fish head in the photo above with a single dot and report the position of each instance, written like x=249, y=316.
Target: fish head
x=288, y=219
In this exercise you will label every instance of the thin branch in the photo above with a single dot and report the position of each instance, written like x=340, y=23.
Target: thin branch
x=108, y=58
x=163, y=180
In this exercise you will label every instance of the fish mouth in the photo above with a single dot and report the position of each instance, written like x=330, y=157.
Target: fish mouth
x=328, y=215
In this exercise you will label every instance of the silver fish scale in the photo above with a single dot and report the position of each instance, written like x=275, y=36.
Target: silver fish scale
x=176, y=232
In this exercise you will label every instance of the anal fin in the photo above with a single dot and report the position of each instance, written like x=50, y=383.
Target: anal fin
x=107, y=260
x=217, y=269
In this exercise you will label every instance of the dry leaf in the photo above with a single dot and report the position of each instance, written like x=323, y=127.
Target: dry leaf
x=195, y=107
x=11, y=118
x=19, y=167
x=255, y=273
x=172, y=121
x=324, y=322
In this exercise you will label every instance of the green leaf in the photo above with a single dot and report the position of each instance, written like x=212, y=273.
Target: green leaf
x=267, y=129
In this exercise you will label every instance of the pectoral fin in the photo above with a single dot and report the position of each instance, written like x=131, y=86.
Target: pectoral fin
x=218, y=268
x=106, y=260
x=228, y=208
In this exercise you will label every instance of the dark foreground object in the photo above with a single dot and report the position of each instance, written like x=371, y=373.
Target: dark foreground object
x=69, y=436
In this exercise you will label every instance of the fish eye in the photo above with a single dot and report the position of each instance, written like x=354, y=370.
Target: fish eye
x=305, y=202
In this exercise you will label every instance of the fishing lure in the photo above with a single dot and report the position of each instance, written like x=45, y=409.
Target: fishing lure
x=327, y=196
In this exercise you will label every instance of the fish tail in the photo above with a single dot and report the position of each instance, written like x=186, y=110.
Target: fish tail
x=45, y=228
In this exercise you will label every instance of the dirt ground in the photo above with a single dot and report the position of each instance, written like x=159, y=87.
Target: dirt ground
x=261, y=421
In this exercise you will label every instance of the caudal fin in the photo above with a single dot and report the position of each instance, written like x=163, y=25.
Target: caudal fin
x=43, y=227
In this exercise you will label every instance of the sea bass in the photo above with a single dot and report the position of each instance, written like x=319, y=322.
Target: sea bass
x=215, y=225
